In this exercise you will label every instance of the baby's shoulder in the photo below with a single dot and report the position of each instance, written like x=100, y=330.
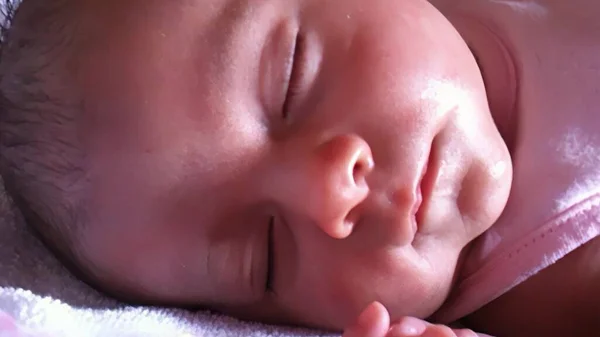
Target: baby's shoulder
x=561, y=300
x=537, y=26
x=553, y=42
x=555, y=45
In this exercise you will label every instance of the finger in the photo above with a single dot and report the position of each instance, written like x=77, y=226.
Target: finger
x=465, y=333
x=374, y=321
x=438, y=331
x=412, y=327
x=408, y=327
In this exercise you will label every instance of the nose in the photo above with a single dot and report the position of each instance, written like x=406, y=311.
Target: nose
x=333, y=181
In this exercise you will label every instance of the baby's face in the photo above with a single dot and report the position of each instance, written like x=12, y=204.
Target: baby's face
x=265, y=158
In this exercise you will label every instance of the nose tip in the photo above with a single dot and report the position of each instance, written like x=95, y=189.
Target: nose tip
x=347, y=162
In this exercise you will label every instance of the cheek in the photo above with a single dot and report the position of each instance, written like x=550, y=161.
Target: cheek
x=486, y=185
x=125, y=247
x=344, y=284
x=340, y=298
x=144, y=264
x=128, y=241
x=486, y=188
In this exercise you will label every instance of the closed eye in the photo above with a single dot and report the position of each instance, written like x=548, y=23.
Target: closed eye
x=296, y=74
x=270, y=257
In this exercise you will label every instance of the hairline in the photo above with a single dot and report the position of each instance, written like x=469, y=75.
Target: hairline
x=40, y=161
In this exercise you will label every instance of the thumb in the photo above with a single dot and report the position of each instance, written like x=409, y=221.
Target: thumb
x=374, y=321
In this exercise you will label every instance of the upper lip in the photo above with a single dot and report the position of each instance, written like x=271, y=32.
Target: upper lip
x=424, y=188
x=419, y=188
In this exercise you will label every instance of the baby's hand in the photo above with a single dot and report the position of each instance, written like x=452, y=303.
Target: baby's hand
x=375, y=322
x=410, y=326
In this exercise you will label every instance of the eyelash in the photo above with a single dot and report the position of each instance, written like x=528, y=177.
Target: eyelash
x=270, y=257
x=295, y=76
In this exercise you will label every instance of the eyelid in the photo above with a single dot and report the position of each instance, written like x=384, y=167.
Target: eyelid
x=274, y=67
x=309, y=61
x=270, y=261
x=296, y=74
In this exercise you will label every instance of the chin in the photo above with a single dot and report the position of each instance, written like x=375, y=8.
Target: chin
x=424, y=300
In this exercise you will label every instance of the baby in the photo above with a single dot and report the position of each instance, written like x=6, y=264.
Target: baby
x=309, y=162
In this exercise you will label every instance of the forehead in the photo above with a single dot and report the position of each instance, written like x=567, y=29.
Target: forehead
x=162, y=63
x=140, y=51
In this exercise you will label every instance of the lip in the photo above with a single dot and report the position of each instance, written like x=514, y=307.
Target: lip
x=424, y=189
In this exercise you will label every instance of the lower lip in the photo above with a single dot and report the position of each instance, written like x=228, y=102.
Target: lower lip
x=416, y=208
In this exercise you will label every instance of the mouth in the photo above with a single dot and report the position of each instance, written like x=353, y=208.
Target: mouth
x=425, y=188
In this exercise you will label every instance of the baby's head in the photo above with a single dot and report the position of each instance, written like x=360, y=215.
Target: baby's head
x=261, y=158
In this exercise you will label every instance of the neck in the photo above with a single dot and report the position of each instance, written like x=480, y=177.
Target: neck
x=499, y=73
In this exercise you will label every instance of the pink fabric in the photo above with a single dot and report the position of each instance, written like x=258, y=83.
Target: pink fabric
x=7, y=323
x=505, y=269
x=554, y=206
x=10, y=328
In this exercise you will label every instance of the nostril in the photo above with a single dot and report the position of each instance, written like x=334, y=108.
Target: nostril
x=362, y=167
x=359, y=173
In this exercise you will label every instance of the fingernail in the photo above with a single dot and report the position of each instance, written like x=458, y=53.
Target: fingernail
x=410, y=326
x=368, y=316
